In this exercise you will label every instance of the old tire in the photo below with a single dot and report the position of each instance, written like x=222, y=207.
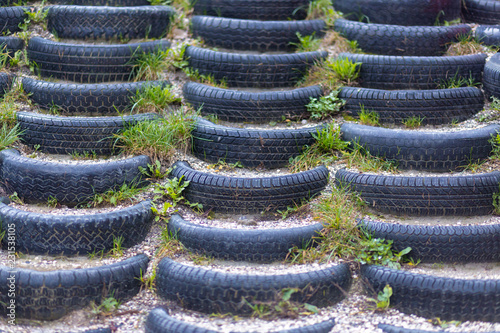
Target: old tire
x=481, y=11
x=11, y=17
x=491, y=77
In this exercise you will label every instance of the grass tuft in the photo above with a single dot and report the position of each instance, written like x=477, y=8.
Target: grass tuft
x=8, y=135
x=332, y=74
x=154, y=98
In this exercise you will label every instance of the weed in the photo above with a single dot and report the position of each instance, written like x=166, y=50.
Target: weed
x=457, y=82
x=154, y=171
x=496, y=203
x=172, y=188
x=93, y=255
x=378, y=251
x=443, y=323
x=361, y=159
x=199, y=259
x=413, y=122
x=8, y=135
x=52, y=202
x=306, y=43
x=86, y=155
x=383, y=300
x=170, y=245
x=154, y=98
x=325, y=106
x=368, y=117
x=14, y=197
x=289, y=210
x=221, y=165
x=466, y=44
x=36, y=16
x=322, y=9
x=205, y=79
x=113, y=197
x=148, y=282
x=108, y=305
x=147, y=65
x=495, y=146
x=117, y=250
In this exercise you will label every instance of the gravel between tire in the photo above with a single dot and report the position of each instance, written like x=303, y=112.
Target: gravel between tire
x=401, y=40
x=82, y=22
x=424, y=196
x=88, y=63
x=434, y=107
x=76, y=234
x=429, y=297
x=249, y=195
x=68, y=135
x=393, y=72
x=250, y=147
x=423, y=150
x=206, y=291
x=436, y=244
x=52, y=294
x=242, y=245
x=242, y=106
x=257, y=71
x=70, y=184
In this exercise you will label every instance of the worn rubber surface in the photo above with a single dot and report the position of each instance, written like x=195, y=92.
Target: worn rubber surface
x=428, y=296
x=206, y=291
x=395, y=329
x=257, y=71
x=6, y=82
x=85, y=99
x=252, y=195
x=264, y=10
x=158, y=321
x=424, y=196
x=399, y=12
x=250, y=35
x=434, y=107
x=251, y=147
x=401, y=40
x=255, y=107
x=491, y=77
x=11, y=17
x=88, y=63
x=436, y=244
x=488, y=35
x=49, y=295
x=71, y=184
x=83, y=22
x=118, y=3
x=423, y=150
x=242, y=245
x=77, y=234
x=66, y=135
x=481, y=11
x=393, y=72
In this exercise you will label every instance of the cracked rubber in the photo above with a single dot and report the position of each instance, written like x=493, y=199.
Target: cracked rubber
x=11, y=17
x=207, y=291
x=50, y=295
x=491, y=77
x=242, y=245
x=481, y=11
x=423, y=150
x=434, y=107
x=67, y=135
x=429, y=296
x=436, y=244
x=158, y=321
x=250, y=147
x=248, y=70
x=249, y=195
x=401, y=40
x=84, y=22
x=88, y=63
x=393, y=72
x=76, y=234
x=85, y=99
x=250, y=35
x=255, y=107
x=399, y=12
x=264, y=10
x=424, y=196
x=71, y=184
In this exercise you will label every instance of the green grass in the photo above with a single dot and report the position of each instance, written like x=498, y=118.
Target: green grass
x=325, y=106
x=306, y=43
x=361, y=159
x=8, y=136
x=413, y=122
x=370, y=118
x=148, y=66
x=457, y=82
x=154, y=98
x=332, y=74
x=126, y=192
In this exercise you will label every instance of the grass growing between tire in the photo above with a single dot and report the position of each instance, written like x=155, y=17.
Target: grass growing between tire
x=154, y=98
x=332, y=74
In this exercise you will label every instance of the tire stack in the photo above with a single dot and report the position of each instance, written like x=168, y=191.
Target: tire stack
x=408, y=57
x=52, y=294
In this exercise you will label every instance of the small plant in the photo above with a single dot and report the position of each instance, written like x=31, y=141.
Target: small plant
x=443, y=323
x=176, y=58
x=52, y=202
x=86, y=155
x=496, y=203
x=113, y=197
x=36, y=16
x=466, y=44
x=172, y=188
x=222, y=165
x=14, y=197
x=306, y=43
x=147, y=65
x=108, y=305
x=199, y=259
x=346, y=70
x=154, y=171
x=96, y=254
x=154, y=98
x=289, y=210
x=8, y=136
x=378, y=251
x=457, y=82
x=368, y=117
x=495, y=145
x=325, y=106
x=322, y=9
x=195, y=75
x=170, y=245
x=383, y=300
x=413, y=122
x=117, y=250
x=148, y=282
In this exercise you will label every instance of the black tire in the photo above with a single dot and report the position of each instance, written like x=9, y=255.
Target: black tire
x=88, y=63
x=436, y=244
x=263, y=10
x=401, y=40
x=434, y=107
x=242, y=245
x=76, y=234
x=258, y=71
x=82, y=22
x=491, y=77
x=52, y=294
x=11, y=45
x=252, y=195
x=69, y=184
x=67, y=135
x=423, y=196
x=488, y=35
x=117, y=3
x=249, y=35
x=250, y=147
x=11, y=17
x=206, y=291
x=85, y=99
x=429, y=297
x=422, y=150
x=394, y=329
x=399, y=12
x=481, y=11
x=256, y=107
x=393, y=72
x=158, y=321
x=6, y=80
